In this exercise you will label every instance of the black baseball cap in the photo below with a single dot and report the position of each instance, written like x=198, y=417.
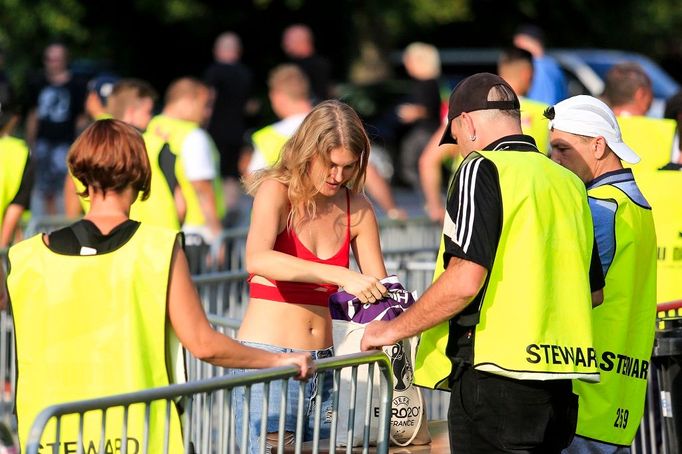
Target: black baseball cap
x=471, y=94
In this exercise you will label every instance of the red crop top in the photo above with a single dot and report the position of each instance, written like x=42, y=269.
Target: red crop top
x=303, y=292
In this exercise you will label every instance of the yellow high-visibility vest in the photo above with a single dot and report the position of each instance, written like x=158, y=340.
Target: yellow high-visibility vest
x=175, y=132
x=270, y=142
x=534, y=123
x=14, y=156
x=623, y=327
x=651, y=138
x=662, y=191
x=535, y=316
x=91, y=326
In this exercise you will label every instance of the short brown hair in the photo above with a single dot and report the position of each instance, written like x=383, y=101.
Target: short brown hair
x=622, y=81
x=127, y=93
x=110, y=155
x=183, y=88
x=290, y=80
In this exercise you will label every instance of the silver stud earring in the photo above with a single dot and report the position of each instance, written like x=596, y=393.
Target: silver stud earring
x=472, y=138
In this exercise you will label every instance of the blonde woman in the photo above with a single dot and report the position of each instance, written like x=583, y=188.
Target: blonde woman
x=308, y=212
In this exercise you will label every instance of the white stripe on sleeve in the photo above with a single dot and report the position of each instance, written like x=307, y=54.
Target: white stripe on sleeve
x=466, y=209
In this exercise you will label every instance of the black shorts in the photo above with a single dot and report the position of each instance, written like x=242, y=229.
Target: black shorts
x=493, y=414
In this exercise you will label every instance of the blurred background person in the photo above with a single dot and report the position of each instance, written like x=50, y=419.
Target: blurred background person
x=232, y=83
x=146, y=304
x=420, y=113
x=187, y=106
x=132, y=101
x=549, y=84
x=99, y=90
x=56, y=100
x=628, y=92
x=515, y=65
x=298, y=44
x=662, y=188
x=16, y=172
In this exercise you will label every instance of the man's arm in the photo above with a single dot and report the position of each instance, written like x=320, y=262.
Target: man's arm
x=197, y=160
x=32, y=127
x=20, y=202
x=470, y=247
x=207, y=202
x=430, y=163
x=448, y=296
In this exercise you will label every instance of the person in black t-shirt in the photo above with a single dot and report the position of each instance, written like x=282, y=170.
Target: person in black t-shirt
x=57, y=100
x=232, y=83
x=421, y=111
x=298, y=44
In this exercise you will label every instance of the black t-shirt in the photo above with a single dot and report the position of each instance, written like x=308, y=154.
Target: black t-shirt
x=318, y=70
x=475, y=207
x=232, y=84
x=427, y=93
x=23, y=195
x=57, y=107
x=167, y=161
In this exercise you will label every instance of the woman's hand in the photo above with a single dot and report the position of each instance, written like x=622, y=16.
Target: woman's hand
x=366, y=288
x=301, y=360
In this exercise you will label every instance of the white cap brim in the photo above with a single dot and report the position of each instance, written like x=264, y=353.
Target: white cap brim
x=624, y=152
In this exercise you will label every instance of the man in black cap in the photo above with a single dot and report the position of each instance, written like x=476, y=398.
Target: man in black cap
x=507, y=323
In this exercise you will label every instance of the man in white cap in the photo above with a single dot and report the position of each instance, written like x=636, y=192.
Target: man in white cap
x=585, y=138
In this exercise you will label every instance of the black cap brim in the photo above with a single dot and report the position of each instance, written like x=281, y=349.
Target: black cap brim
x=447, y=138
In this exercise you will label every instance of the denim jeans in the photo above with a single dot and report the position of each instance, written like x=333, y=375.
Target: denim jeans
x=582, y=445
x=326, y=380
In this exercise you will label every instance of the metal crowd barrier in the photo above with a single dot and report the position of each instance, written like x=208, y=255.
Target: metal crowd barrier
x=223, y=293
x=209, y=414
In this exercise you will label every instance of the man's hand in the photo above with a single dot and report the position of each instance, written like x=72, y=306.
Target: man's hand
x=377, y=334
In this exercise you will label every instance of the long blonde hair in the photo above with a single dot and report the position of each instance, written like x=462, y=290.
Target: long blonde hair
x=330, y=125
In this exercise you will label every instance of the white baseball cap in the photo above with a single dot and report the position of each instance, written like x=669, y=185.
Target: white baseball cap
x=587, y=116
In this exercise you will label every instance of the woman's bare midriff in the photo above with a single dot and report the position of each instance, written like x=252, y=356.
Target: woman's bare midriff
x=291, y=325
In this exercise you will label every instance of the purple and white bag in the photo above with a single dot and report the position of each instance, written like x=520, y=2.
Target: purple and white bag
x=344, y=306
x=349, y=317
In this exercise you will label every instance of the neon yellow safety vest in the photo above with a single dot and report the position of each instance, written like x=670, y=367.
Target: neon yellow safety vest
x=534, y=319
x=175, y=131
x=534, y=123
x=651, y=138
x=270, y=142
x=159, y=209
x=14, y=156
x=82, y=334
x=662, y=191
x=623, y=327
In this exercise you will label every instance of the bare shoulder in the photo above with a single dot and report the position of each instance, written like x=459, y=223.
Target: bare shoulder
x=360, y=203
x=361, y=210
x=273, y=191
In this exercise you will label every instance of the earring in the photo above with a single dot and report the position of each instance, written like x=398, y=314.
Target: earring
x=473, y=138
